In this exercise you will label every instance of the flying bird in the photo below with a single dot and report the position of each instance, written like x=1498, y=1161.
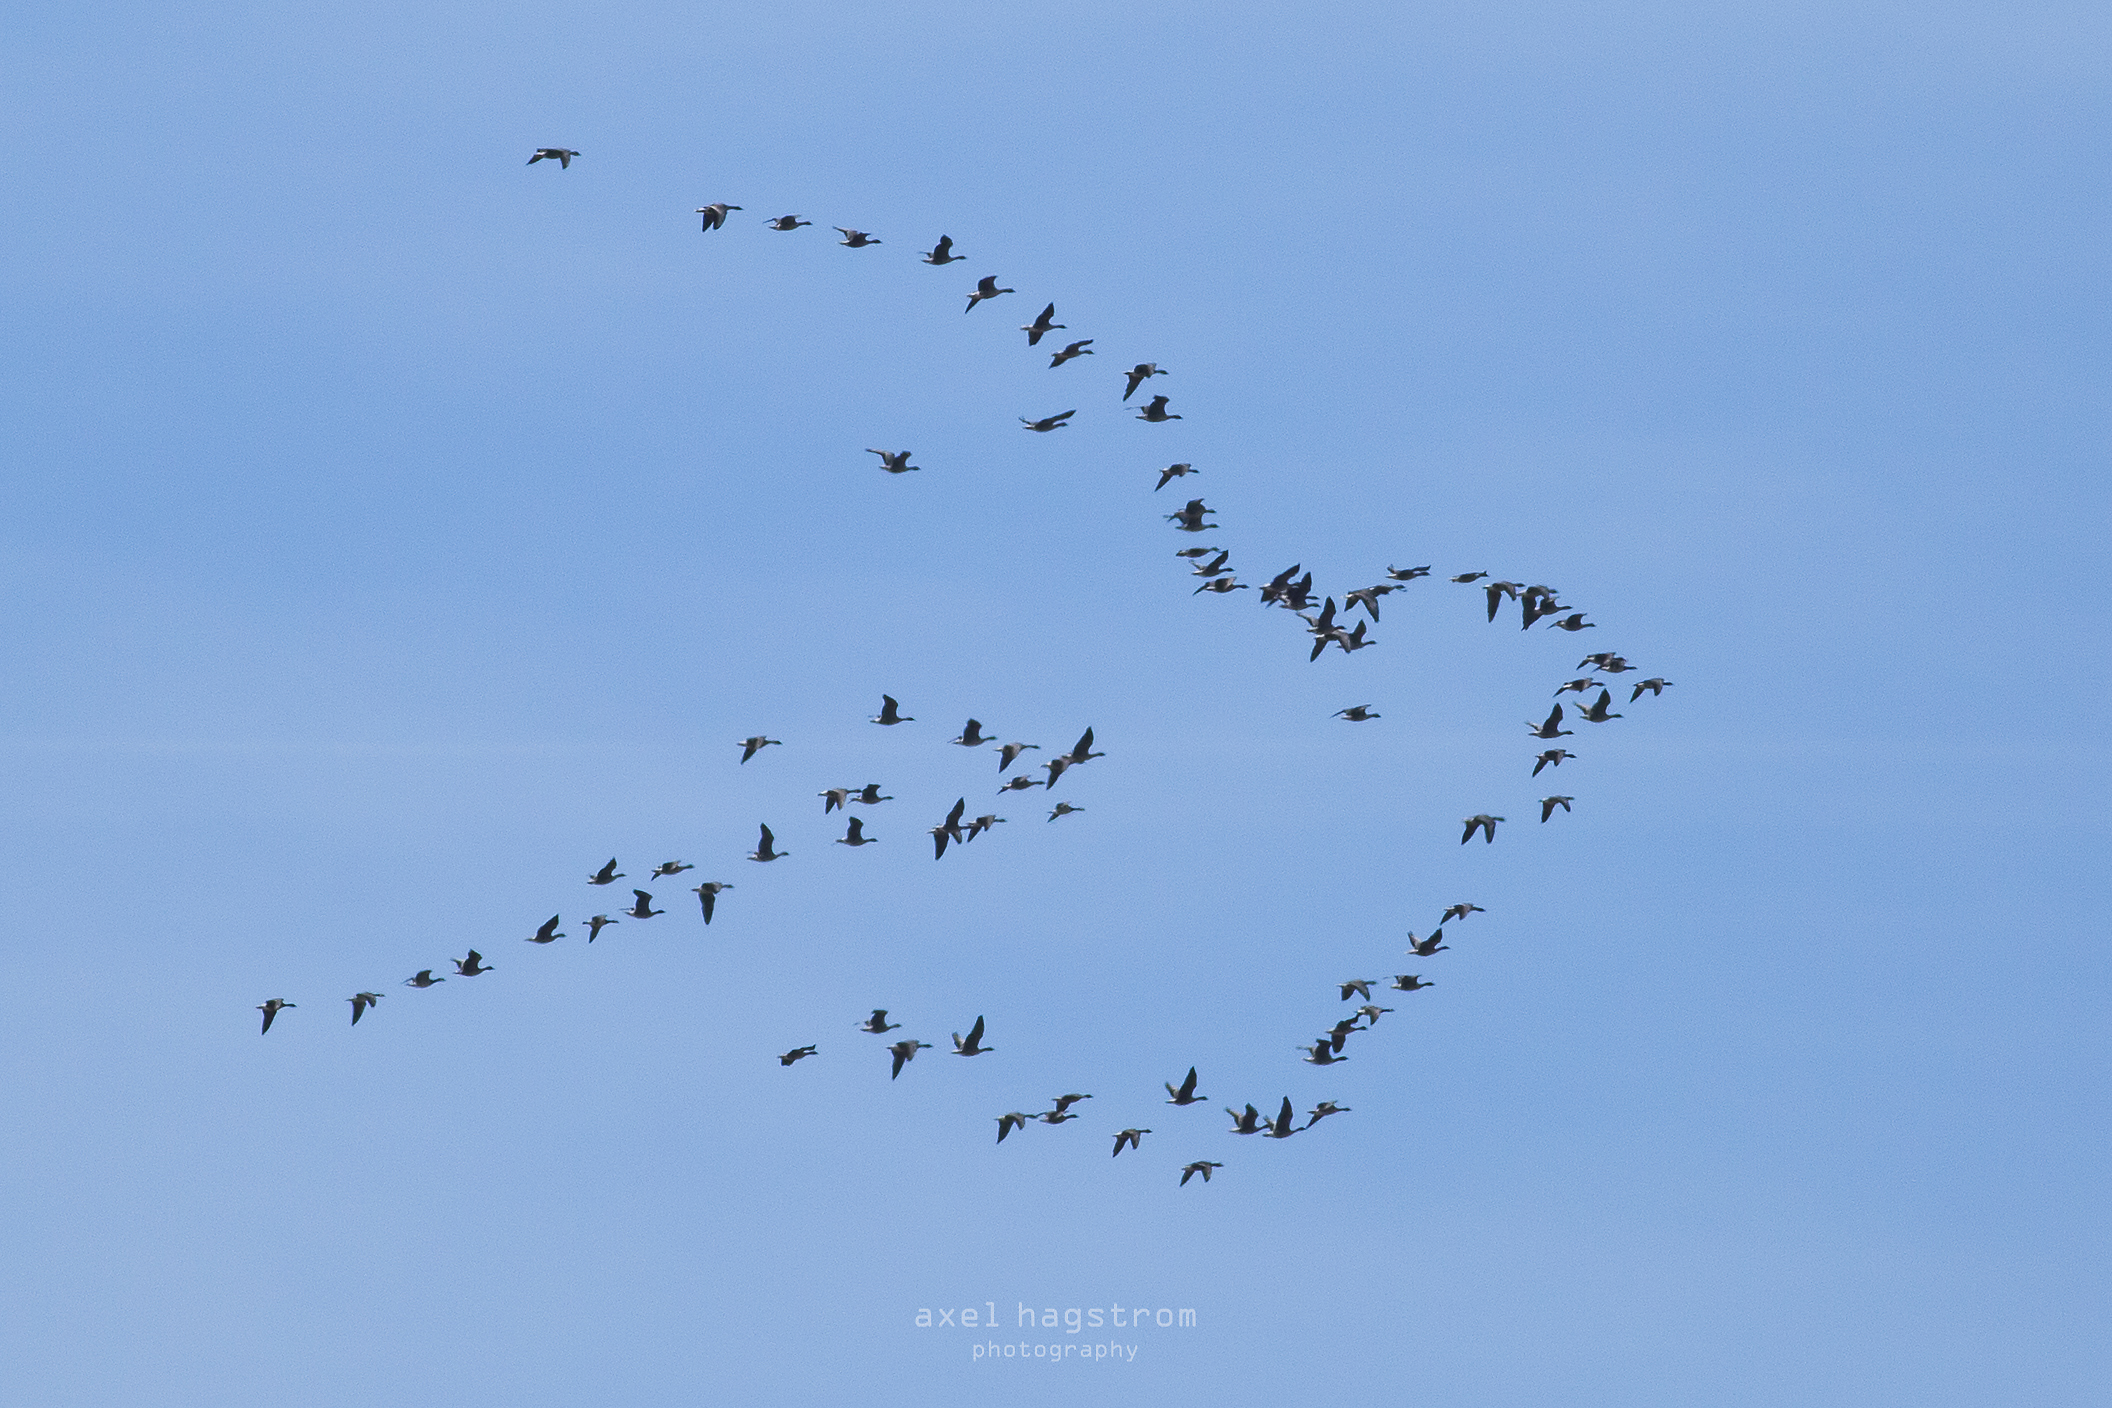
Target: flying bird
x=607, y=875
x=1076, y=349
x=669, y=867
x=1200, y=1166
x=869, y=795
x=1156, y=411
x=797, y=1053
x=470, y=967
x=1134, y=1138
x=763, y=851
x=271, y=1007
x=1325, y=1108
x=562, y=156
x=1428, y=947
x=752, y=746
x=1552, y=758
x=1360, y=986
x=708, y=894
x=1177, y=471
x=1190, y=518
x=643, y=908
x=1282, y=1128
x=1548, y=805
x=1597, y=714
x=891, y=713
x=1048, y=423
x=1407, y=574
x=1046, y=322
x=715, y=214
x=854, y=834
x=1006, y=1123
x=1470, y=576
x=942, y=252
x=832, y=798
x=1010, y=752
x=1248, y=1122
x=1358, y=714
x=894, y=461
x=423, y=978
x=1551, y=727
x=972, y=736
x=1140, y=373
x=1185, y=1095
x=878, y=1024
x=596, y=924
x=361, y=1001
x=1017, y=784
x=788, y=222
x=1480, y=821
x=973, y=1046
x=547, y=934
x=986, y=289
x=1460, y=911
x=1062, y=808
x=980, y=825
x=1655, y=685
x=1064, y=1102
x=904, y=1052
x=855, y=239
x=1410, y=982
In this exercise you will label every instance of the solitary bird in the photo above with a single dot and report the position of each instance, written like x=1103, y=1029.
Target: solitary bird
x=1200, y=1166
x=1282, y=1128
x=1460, y=911
x=985, y=289
x=972, y=736
x=904, y=1052
x=1185, y=1095
x=1140, y=373
x=1552, y=758
x=1076, y=349
x=1655, y=685
x=1046, y=322
x=547, y=934
x=763, y=851
x=1480, y=821
x=795, y=1054
x=1175, y=471
x=1156, y=411
x=891, y=713
x=562, y=156
x=607, y=875
x=1551, y=727
x=1134, y=1138
x=1428, y=947
x=894, y=461
x=752, y=746
x=1048, y=423
x=788, y=222
x=708, y=894
x=1247, y=1122
x=643, y=908
x=423, y=978
x=855, y=239
x=596, y=924
x=1009, y=753
x=942, y=252
x=471, y=966
x=1358, y=714
x=271, y=1006
x=1597, y=714
x=878, y=1024
x=1008, y=1122
x=855, y=835
x=361, y=1001
x=1548, y=805
x=1062, y=809
x=1410, y=982
x=715, y=214
x=973, y=1046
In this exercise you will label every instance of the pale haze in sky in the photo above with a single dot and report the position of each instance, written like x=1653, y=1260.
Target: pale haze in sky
x=392, y=531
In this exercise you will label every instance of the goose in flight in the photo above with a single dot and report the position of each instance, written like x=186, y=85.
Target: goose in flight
x=788, y=222
x=973, y=1046
x=470, y=967
x=1248, y=1122
x=1064, y=1102
x=561, y=155
x=1497, y=591
x=1134, y=1138
x=1177, y=471
x=1185, y=1095
x=1460, y=911
x=642, y=908
x=1370, y=1012
x=854, y=834
x=1358, y=714
x=1156, y=411
x=1076, y=349
x=361, y=1001
x=1552, y=758
x=1580, y=685
x=1082, y=750
x=1470, y=576
x=763, y=851
x=1406, y=574
x=855, y=239
x=271, y=1007
x=423, y=978
x=715, y=214
x=904, y=1052
x=894, y=461
x=1140, y=373
x=1221, y=585
x=948, y=830
x=1057, y=766
x=985, y=289
x=1410, y=982
x=1597, y=714
x=1431, y=946
x=607, y=875
x=1548, y=805
x=1655, y=685
x=869, y=795
x=1190, y=518
x=547, y=934
x=1009, y=753
x=1048, y=423
x=1017, y=784
x=1192, y=553
x=979, y=826
x=1008, y=1122
x=752, y=746
x=1200, y=1166
x=1323, y=1052
x=972, y=736
x=942, y=252
x=1323, y=1110
x=1611, y=663
x=1360, y=986
x=1054, y=1116
x=878, y=1024
x=669, y=867
x=1551, y=727
x=797, y=1053
x=1368, y=598
x=1480, y=821
x=708, y=895
x=1575, y=622
x=1281, y=1127
x=1045, y=323
x=1215, y=567
x=596, y=924
x=891, y=713
x=832, y=798
x=1062, y=808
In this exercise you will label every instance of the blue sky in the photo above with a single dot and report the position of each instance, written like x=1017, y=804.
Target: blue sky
x=394, y=531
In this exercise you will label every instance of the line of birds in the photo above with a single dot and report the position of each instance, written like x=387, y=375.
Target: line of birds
x=1288, y=589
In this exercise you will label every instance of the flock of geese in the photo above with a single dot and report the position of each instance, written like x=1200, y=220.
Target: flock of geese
x=1291, y=589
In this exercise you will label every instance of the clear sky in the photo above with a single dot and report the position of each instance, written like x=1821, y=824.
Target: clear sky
x=392, y=531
